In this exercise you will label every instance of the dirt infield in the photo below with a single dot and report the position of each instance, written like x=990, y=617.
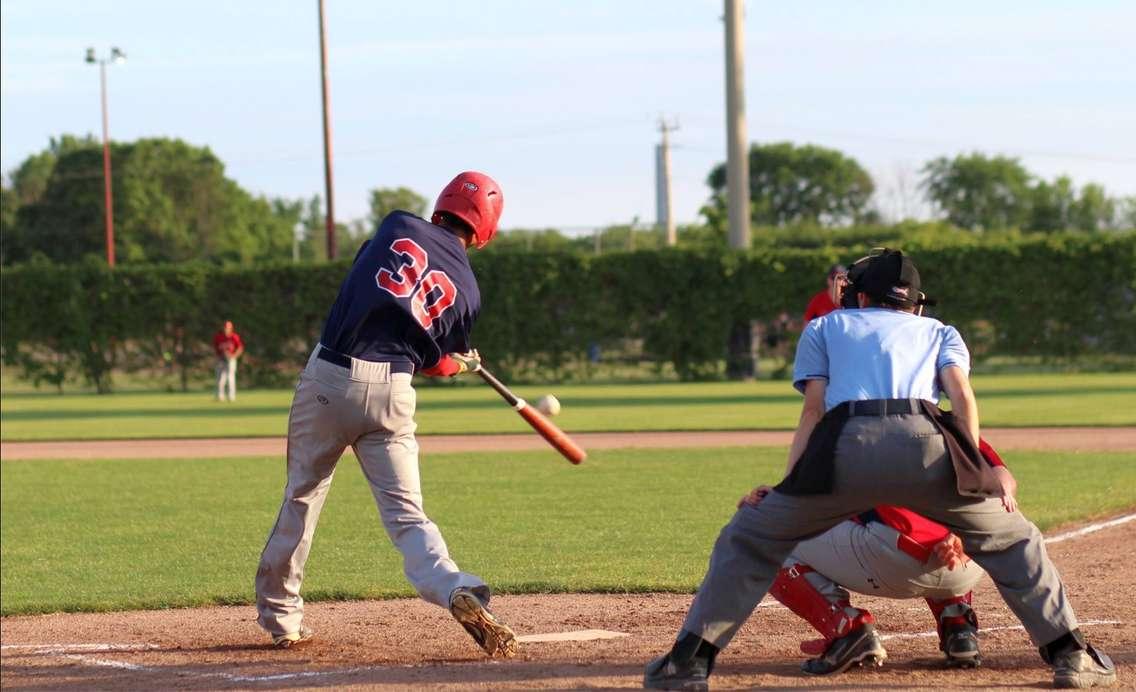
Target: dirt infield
x=408, y=644
x=1071, y=439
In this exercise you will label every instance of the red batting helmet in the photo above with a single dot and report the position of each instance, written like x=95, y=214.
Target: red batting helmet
x=476, y=199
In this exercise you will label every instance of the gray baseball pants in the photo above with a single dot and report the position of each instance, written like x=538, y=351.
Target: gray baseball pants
x=864, y=558
x=917, y=474
x=371, y=410
x=226, y=378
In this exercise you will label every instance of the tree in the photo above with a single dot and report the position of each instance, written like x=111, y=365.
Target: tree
x=1094, y=209
x=10, y=241
x=172, y=203
x=979, y=192
x=536, y=240
x=30, y=178
x=384, y=200
x=792, y=184
x=1059, y=207
x=1126, y=213
x=1052, y=205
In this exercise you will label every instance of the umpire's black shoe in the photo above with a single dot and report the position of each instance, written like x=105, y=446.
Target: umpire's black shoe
x=686, y=667
x=665, y=674
x=862, y=646
x=960, y=644
x=1083, y=668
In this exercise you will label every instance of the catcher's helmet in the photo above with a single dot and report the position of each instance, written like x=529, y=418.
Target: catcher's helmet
x=476, y=199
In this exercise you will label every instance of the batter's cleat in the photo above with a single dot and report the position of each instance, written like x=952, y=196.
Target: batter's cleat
x=492, y=635
x=960, y=644
x=287, y=641
x=860, y=647
x=664, y=674
x=1083, y=668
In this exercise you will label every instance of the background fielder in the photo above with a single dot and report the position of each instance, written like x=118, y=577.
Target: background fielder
x=228, y=346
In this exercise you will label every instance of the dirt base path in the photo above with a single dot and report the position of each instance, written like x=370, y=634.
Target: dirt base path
x=409, y=644
x=1069, y=439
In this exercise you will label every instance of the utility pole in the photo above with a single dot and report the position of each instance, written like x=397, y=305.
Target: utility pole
x=741, y=363
x=327, y=178
x=737, y=158
x=663, y=208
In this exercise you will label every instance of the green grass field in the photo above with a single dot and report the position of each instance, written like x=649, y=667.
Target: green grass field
x=109, y=535
x=1107, y=399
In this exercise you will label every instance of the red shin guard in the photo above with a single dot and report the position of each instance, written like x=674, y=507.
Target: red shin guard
x=832, y=619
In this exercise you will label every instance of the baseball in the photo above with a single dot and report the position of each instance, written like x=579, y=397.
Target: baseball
x=548, y=405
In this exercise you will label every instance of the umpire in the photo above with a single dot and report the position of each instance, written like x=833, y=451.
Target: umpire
x=870, y=433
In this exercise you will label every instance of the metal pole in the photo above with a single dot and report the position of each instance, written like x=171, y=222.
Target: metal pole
x=328, y=185
x=108, y=198
x=740, y=362
x=737, y=158
x=663, y=206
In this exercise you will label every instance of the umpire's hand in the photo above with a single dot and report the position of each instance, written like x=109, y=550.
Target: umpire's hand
x=1009, y=488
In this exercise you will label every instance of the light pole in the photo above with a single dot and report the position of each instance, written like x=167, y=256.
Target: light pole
x=329, y=187
x=117, y=57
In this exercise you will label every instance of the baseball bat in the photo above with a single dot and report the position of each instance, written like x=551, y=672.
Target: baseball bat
x=547, y=429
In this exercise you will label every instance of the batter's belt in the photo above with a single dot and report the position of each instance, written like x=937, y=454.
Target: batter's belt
x=344, y=361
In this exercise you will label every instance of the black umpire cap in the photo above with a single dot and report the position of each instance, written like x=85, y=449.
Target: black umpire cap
x=891, y=278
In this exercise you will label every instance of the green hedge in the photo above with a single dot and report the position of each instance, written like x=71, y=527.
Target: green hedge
x=1055, y=296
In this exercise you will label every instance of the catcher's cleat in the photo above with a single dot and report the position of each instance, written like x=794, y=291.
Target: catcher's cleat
x=492, y=635
x=1083, y=668
x=861, y=647
x=287, y=641
x=960, y=644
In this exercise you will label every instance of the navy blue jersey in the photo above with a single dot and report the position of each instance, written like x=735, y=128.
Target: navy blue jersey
x=410, y=296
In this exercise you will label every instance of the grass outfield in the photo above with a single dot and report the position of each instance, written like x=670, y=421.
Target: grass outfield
x=1107, y=399
x=111, y=535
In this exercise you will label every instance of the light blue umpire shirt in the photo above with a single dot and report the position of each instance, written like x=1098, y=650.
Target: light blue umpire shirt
x=877, y=353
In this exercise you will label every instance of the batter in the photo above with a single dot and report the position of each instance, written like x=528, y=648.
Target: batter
x=407, y=305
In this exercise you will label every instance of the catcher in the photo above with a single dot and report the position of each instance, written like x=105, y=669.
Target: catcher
x=889, y=552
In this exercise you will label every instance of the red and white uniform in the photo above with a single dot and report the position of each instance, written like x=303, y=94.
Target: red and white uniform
x=821, y=304
x=227, y=345
x=228, y=348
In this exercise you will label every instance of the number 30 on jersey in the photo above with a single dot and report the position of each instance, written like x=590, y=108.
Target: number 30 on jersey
x=430, y=295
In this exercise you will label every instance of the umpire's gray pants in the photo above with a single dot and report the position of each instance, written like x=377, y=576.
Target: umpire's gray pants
x=917, y=474
x=371, y=410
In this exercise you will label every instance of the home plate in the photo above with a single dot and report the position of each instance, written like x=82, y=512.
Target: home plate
x=574, y=636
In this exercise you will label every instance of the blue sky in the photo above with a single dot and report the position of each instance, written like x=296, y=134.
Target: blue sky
x=559, y=100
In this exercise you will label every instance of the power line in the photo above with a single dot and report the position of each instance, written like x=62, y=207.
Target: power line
x=864, y=136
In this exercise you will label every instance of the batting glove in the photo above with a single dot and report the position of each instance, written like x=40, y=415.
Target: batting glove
x=467, y=362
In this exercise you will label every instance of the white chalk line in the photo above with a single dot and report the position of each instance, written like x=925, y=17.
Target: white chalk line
x=986, y=630
x=66, y=648
x=1091, y=528
x=90, y=660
